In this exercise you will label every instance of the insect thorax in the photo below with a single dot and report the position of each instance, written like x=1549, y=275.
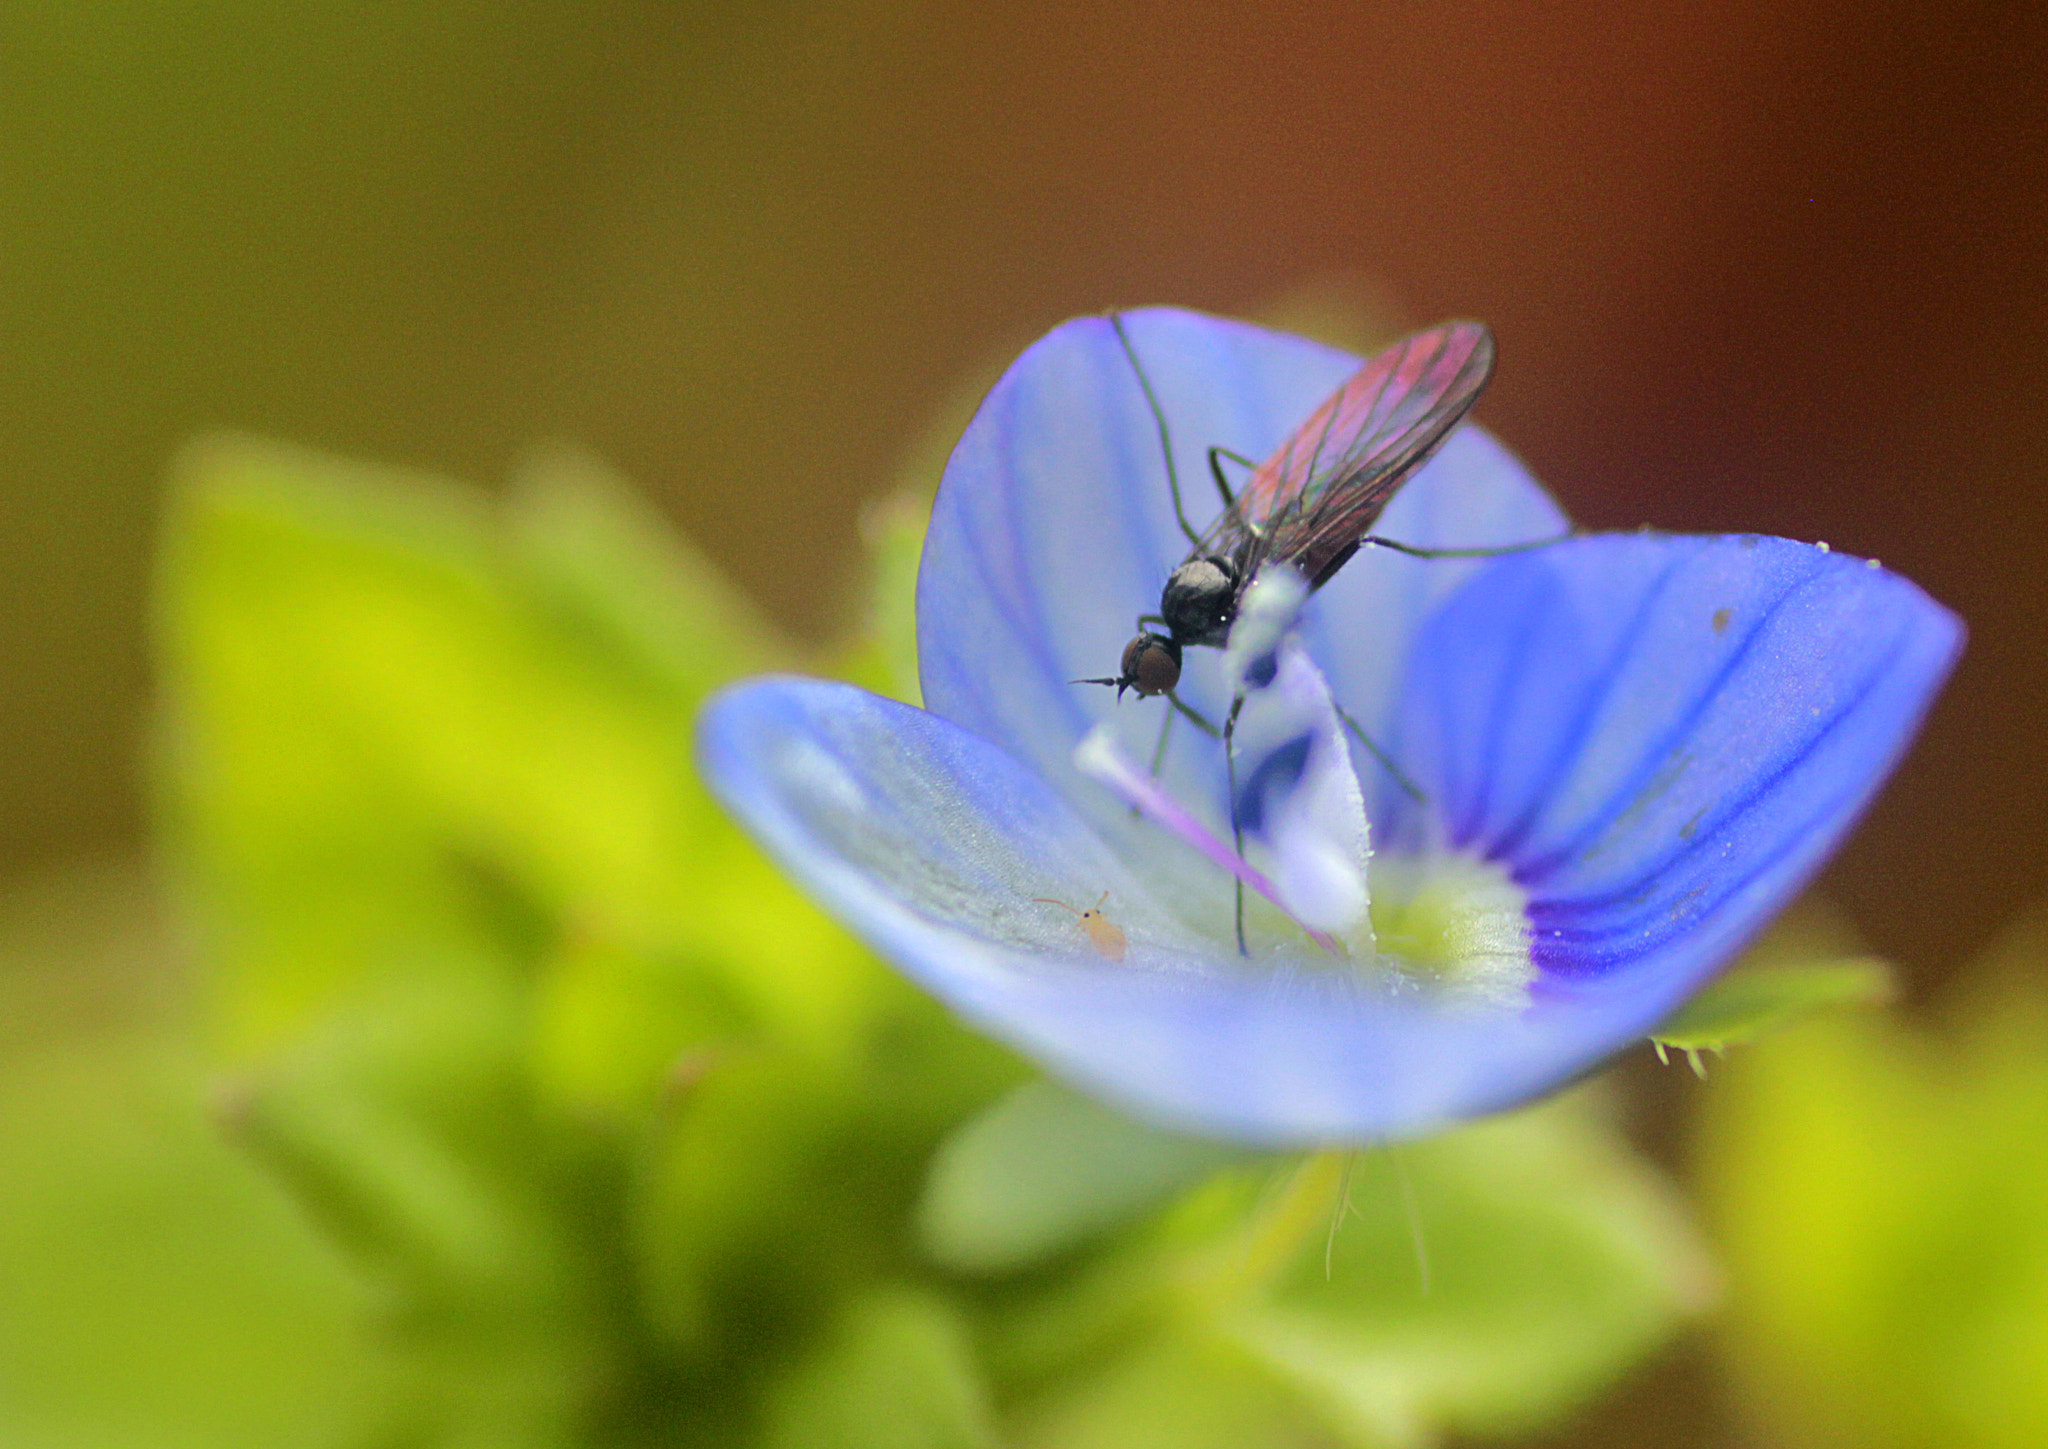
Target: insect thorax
x=1200, y=600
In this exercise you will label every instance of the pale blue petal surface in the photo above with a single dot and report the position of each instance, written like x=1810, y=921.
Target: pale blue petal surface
x=1656, y=739
x=1054, y=530
x=1299, y=798
x=930, y=843
x=1659, y=737
x=1474, y=494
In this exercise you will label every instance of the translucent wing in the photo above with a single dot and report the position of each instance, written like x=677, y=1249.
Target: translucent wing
x=1320, y=493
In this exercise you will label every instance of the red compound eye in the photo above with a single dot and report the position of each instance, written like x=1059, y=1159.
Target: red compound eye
x=1151, y=665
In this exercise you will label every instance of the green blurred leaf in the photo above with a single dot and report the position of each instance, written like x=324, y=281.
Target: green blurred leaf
x=477, y=930
x=155, y=1289
x=883, y=654
x=398, y=733
x=894, y=1371
x=611, y=1027
x=1881, y=1194
x=1750, y=1002
x=881, y=651
x=732, y=1227
x=405, y=1129
x=1483, y=1282
x=774, y=1183
x=1046, y=1169
x=401, y=1127
x=1552, y=1258
x=1174, y=1389
x=627, y=582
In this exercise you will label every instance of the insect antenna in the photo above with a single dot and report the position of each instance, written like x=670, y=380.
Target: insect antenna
x=1159, y=417
x=1075, y=910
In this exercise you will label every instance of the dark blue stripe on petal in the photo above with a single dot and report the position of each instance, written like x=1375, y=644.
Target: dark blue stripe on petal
x=1469, y=829
x=1727, y=818
x=1505, y=843
x=1659, y=781
x=1664, y=755
x=931, y=844
x=1271, y=781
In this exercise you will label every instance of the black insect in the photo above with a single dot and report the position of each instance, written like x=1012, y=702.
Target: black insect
x=1314, y=502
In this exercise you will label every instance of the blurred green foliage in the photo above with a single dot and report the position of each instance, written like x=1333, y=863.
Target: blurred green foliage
x=1484, y=1281
x=591, y=1096
x=498, y=1092
x=1754, y=1000
x=155, y=1288
x=1882, y=1196
x=1046, y=1169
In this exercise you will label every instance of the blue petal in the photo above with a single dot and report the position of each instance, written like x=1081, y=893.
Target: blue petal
x=1054, y=530
x=1298, y=796
x=1473, y=494
x=930, y=843
x=1660, y=737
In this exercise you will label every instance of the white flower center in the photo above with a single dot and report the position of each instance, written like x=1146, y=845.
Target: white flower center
x=1455, y=924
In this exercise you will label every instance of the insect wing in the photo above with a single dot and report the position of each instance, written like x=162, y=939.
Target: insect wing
x=1321, y=491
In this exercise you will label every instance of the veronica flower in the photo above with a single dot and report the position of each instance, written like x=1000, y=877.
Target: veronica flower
x=1602, y=765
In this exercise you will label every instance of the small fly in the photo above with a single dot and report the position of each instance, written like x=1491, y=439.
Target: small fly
x=1312, y=504
x=1310, y=507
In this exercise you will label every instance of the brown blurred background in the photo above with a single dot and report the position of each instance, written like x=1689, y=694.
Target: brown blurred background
x=1771, y=266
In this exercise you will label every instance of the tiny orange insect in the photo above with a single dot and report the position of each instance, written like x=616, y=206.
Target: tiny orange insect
x=1103, y=934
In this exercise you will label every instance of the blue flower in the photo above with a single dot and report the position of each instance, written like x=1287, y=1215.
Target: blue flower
x=1617, y=756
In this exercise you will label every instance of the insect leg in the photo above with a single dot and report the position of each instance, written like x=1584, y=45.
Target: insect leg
x=1159, y=750
x=1236, y=827
x=1413, y=552
x=1158, y=416
x=1408, y=786
x=1216, y=457
x=1195, y=716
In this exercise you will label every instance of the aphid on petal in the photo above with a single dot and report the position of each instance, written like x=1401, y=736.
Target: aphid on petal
x=1103, y=934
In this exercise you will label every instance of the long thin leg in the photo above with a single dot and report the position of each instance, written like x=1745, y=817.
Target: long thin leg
x=1236, y=826
x=1158, y=417
x=1159, y=750
x=1413, y=552
x=1197, y=719
x=1408, y=786
x=1194, y=716
x=1386, y=761
x=1216, y=457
